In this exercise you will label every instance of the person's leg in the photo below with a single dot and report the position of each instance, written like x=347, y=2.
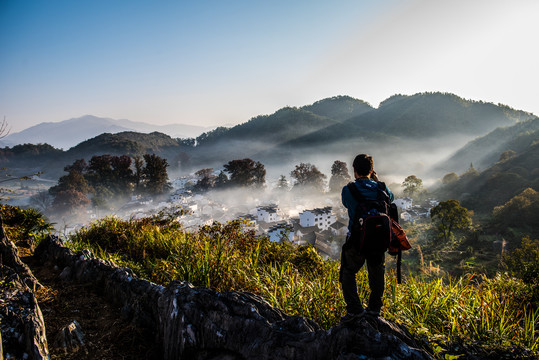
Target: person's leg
x=376, y=269
x=351, y=262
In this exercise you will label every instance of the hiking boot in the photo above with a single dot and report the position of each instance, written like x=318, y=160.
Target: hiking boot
x=352, y=316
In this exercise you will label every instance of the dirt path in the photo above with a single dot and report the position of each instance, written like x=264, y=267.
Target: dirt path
x=107, y=336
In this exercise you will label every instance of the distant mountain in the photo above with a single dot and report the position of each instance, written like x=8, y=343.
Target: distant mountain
x=408, y=132
x=68, y=133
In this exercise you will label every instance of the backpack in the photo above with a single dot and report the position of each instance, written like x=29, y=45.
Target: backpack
x=371, y=226
x=376, y=226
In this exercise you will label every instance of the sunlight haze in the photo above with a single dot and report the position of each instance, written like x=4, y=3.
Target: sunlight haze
x=222, y=63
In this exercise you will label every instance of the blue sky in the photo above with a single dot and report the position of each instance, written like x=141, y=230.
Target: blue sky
x=222, y=62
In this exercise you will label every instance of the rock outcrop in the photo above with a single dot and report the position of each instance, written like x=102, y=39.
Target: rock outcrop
x=21, y=321
x=194, y=322
x=199, y=323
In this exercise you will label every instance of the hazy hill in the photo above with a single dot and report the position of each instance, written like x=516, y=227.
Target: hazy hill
x=43, y=157
x=482, y=191
x=339, y=107
x=486, y=150
x=406, y=134
x=68, y=133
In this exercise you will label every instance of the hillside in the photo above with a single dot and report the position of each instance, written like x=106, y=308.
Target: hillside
x=51, y=162
x=406, y=134
x=486, y=150
x=482, y=191
x=68, y=133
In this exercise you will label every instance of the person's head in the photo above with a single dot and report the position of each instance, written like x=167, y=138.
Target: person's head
x=363, y=165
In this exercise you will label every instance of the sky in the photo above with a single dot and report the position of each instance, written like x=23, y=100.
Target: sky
x=212, y=63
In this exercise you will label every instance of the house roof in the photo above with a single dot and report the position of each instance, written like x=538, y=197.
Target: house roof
x=319, y=211
x=337, y=225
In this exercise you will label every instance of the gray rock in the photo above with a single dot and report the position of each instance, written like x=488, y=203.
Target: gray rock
x=199, y=323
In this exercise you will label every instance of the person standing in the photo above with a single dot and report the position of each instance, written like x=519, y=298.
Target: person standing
x=352, y=258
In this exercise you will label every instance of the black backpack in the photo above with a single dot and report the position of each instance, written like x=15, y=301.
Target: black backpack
x=371, y=227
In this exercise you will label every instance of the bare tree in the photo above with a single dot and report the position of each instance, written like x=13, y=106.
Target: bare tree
x=4, y=129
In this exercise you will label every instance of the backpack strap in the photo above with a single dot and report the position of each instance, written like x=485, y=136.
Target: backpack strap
x=355, y=192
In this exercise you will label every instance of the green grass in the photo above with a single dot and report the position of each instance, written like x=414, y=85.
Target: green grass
x=495, y=312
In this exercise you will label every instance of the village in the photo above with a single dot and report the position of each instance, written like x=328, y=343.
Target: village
x=287, y=218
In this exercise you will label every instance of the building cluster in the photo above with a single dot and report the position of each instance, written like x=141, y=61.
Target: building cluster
x=324, y=228
x=318, y=227
x=410, y=212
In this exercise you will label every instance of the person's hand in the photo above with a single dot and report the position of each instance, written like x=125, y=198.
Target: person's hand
x=374, y=176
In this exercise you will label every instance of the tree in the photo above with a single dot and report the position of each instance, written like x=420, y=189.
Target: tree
x=308, y=176
x=69, y=200
x=123, y=174
x=138, y=163
x=412, y=185
x=41, y=201
x=519, y=212
x=524, y=261
x=506, y=155
x=246, y=172
x=155, y=174
x=450, y=215
x=206, y=180
x=221, y=181
x=100, y=171
x=339, y=176
x=74, y=180
x=282, y=184
x=449, y=178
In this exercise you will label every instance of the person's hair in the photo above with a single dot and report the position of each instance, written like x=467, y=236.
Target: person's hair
x=363, y=164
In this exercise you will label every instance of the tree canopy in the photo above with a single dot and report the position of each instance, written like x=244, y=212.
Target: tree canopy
x=412, y=185
x=450, y=215
x=339, y=176
x=246, y=172
x=308, y=176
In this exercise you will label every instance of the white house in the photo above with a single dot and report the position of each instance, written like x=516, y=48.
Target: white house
x=267, y=214
x=404, y=203
x=321, y=217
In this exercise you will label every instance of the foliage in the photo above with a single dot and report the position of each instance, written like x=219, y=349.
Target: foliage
x=24, y=224
x=206, y=180
x=470, y=310
x=412, y=185
x=70, y=200
x=282, y=184
x=521, y=211
x=449, y=178
x=74, y=180
x=246, y=172
x=524, y=262
x=308, y=177
x=450, y=215
x=339, y=176
x=155, y=174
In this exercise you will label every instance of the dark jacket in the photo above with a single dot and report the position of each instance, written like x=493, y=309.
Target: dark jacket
x=367, y=188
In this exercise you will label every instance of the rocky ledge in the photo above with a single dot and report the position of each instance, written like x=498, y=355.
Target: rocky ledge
x=199, y=323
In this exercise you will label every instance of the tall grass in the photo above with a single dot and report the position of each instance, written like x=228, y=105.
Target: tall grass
x=471, y=308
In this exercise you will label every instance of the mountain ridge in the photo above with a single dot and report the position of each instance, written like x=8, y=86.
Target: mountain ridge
x=68, y=133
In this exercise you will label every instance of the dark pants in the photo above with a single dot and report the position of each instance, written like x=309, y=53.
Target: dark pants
x=351, y=263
